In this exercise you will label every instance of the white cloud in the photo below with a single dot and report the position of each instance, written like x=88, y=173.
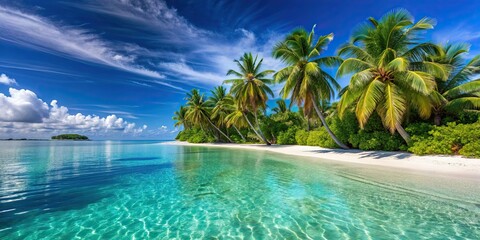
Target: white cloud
x=4, y=79
x=43, y=35
x=23, y=112
x=210, y=55
x=167, y=25
x=184, y=71
x=219, y=58
x=459, y=33
x=22, y=106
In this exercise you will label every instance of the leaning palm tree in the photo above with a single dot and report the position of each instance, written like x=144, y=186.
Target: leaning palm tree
x=223, y=105
x=389, y=74
x=460, y=91
x=306, y=83
x=220, y=101
x=237, y=119
x=180, y=119
x=250, y=88
x=199, y=111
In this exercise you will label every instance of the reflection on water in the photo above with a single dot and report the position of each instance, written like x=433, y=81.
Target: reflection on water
x=145, y=190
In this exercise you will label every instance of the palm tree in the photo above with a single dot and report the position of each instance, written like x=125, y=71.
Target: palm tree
x=220, y=101
x=281, y=107
x=237, y=119
x=223, y=105
x=180, y=119
x=198, y=111
x=250, y=88
x=459, y=92
x=306, y=83
x=389, y=74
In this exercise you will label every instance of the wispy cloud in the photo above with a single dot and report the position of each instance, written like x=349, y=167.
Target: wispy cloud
x=203, y=60
x=38, y=33
x=459, y=33
x=35, y=68
x=205, y=56
x=120, y=113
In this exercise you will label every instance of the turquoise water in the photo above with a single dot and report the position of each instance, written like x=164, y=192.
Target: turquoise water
x=144, y=190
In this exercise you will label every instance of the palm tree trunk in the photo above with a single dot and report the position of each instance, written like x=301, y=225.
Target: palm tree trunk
x=239, y=133
x=220, y=131
x=403, y=133
x=437, y=119
x=308, y=124
x=254, y=130
x=332, y=135
x=260, y=130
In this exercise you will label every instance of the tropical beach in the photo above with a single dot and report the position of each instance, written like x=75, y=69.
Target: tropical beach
x=441, y=165
x=404, y=94
x=271, y=119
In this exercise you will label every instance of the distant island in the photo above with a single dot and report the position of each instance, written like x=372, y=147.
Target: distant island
x=77, y=137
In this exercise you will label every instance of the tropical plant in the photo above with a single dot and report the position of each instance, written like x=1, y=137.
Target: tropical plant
x=306, y=83
x=221, y=103
x=389, y=74
x=281, y=107
x=223, y=106
x=250, y=88
x=180, y=119
x=199, y=111
x=237, y=119
x=459, y=92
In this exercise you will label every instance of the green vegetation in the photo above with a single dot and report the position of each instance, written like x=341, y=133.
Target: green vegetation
x=404, y=94
x=70, y=137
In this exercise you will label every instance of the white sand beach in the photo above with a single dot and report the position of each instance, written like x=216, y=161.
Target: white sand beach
x=442, y=165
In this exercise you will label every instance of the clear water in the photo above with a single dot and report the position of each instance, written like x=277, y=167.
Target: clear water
x=143, y=190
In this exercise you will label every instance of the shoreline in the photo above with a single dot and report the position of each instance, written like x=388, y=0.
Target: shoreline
x=441, y=165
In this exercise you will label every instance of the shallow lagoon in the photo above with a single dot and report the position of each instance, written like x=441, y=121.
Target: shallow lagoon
x=142, y=189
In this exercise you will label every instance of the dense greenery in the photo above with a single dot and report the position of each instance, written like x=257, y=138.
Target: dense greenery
x=69, y=137
x=452, y=138
x=404, y=93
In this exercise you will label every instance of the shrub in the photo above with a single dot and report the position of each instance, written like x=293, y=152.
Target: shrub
x=345, y=127
x=372, y=137
x=288, y=137
x=195, y=135
x=464, y=117
x=183, y=135
x=320, y=138
x=198, y=138
x=236, y=138
x=277, y=123
x=471, y=149
x=301, y=137
x=377, y=140
x=449, y=139
x=419, y=129
x=374, y=124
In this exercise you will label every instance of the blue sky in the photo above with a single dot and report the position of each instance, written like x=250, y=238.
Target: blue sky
x=118, y=69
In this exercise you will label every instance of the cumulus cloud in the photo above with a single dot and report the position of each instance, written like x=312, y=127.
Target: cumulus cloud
x=24, y=112
x=4, y=79
x=22, y=106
